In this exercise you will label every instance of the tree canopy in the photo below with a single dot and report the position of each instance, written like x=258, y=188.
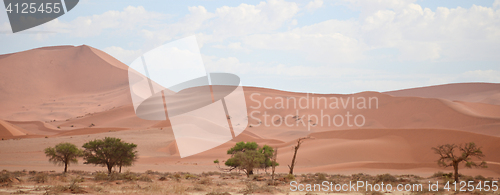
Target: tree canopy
x=249, y=156
x=110, y=152
x=63, y=154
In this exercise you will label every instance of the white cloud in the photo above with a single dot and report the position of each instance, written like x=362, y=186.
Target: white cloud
x=235, y=45
x=418, y=34
x=248, y=19
x=313, y=5
x=234, y=65
x=131, y=18
x=496, y=4
x=227, y=22
x=125, y=56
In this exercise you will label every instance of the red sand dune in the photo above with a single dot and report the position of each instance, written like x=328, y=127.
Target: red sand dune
x=488, y=93
x=79, y=93
x=59, y=83
x=10, y=130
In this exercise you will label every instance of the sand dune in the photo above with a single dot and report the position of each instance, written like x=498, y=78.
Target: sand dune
x=9, y=130
x=85, y=95
x=390, y=113
x=60, y=82
x=488, y=93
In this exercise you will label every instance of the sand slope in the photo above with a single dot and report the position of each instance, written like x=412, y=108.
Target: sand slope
x=9, y=130
x=488, y=93
x=59, y=83
x=390, y=113
x=77, y=94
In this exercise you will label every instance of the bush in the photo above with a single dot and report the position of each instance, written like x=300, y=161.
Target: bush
x=321, y=176
x=75, y=188
x=480, y=178
x=5, y=177
x=252, y=188
x=144, y=177
x=289, y=177
x=386, y=178
x=205, y=181
x=362, y=177
x=40, y=178
x=100, y=176
x=189, y=176
x=177, y=177
x=77, y=179
x=127, y=176
x=210, y=173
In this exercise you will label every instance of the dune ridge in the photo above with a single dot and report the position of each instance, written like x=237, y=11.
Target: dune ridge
x=85, y=95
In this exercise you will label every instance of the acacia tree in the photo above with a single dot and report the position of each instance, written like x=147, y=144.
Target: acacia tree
x=63, y=154
x=449, y=156
x=128, y=155
x=109, y=152
x=248, y=157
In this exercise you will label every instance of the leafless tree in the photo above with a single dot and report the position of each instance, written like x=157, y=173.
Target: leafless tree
x=296, y=148
x=451, y=157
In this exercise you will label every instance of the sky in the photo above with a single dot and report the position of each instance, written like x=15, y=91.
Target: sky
x=316, y=46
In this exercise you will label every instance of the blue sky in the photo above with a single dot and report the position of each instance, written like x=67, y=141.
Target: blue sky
x=319, y=46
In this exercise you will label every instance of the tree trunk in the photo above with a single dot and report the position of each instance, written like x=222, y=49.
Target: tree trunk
x=65, y=167
x=275, y=155
x=120, y=169
x=249, y=172
x=293, y=159
x=109, y=169
x=299, y=141
x=455, y=167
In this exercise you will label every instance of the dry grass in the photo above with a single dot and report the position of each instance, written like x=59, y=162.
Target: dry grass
x=211, y=183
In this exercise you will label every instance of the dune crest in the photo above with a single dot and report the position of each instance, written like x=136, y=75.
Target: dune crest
x=76, y=94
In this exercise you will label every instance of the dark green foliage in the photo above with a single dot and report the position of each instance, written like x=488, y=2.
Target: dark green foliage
x=249, y=156
x=110, y=152
x=63, y=154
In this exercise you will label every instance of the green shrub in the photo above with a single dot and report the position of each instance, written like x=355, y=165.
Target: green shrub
x=440, y=174
x=127, y=176
x=190, y=176
x=289, y=177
